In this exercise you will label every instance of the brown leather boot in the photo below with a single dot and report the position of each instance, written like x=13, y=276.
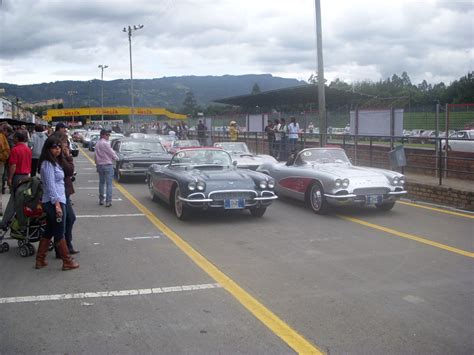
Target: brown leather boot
x=41, y=254
x=68, y=261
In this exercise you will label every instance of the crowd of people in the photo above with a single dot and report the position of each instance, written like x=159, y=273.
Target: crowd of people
x=24, y=154
x=282, y=137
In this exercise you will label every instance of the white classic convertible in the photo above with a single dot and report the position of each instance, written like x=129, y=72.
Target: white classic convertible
x=324, y=176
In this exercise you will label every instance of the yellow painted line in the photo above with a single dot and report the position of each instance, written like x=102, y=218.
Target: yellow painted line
x=290, y=336
x=409, y=236
x=437, y=209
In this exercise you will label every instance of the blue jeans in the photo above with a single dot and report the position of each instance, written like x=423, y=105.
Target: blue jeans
x=293, y=144
x=106, y=175
x=70, y=219
x=54, y=227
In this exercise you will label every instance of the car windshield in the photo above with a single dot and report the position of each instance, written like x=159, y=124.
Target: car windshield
x=322, y=156
x=144, y=146
x=233, y=147
x=186, y=143
x=202, y=157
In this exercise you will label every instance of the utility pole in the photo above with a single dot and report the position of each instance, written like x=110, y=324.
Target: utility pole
x=102, y=67
x=321, y=92
x=72, y=93
x=129, y=30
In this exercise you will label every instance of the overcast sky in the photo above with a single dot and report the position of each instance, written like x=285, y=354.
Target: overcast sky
x=53, y=40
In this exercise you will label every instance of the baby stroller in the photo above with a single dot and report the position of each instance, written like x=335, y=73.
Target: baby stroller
x=28, y=220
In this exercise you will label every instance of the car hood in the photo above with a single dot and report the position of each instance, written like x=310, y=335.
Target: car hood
x=248, y=159
x=346, y=171
x=144, y=156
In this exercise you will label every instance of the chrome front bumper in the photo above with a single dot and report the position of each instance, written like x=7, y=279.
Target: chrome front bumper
x=352, y=199
x=199, y=199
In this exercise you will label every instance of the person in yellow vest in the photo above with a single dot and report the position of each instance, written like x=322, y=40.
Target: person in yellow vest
x=233, y=131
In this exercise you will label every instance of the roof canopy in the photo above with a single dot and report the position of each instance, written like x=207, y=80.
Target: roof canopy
x=296, y=95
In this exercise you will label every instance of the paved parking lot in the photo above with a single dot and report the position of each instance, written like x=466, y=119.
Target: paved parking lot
x=355, y=281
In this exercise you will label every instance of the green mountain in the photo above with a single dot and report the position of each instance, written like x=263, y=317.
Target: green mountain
x=168, y=92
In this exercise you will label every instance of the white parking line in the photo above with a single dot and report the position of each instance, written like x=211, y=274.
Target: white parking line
x=139, y=238
x=83, y=295
x=86, y=188
x=109, y=215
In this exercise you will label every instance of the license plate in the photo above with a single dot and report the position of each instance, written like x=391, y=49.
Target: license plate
x=373, y=199
x=234, y=204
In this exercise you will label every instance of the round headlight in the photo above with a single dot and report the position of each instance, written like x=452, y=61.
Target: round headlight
x=263, y=184
x=395, y=180
x=271, y=184
x=401, y=181
x=345, y=183
x=192, y=186
x=338, y=183
x=201, y=185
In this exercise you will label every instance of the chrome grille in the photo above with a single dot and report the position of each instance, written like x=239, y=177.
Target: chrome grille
x=147, y=164
x=372, y=191
x=232, y=195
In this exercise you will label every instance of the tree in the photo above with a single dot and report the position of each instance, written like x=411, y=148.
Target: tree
x=190, y=106
x=256, y=89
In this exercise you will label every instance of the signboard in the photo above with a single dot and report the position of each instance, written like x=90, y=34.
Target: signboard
x=5, y=109
x=113, y=111
x=377, y=122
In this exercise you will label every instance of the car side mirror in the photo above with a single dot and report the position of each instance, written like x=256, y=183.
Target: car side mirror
x=234, y=163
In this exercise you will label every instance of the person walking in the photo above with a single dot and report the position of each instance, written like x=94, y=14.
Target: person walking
x=276, y=145
x=37, y=141
x=201, y=133
x=233, y=131
x=270, y=136
x=54, y=204
x=293, y=130
x=20, y=160
x=67, y=163
x=104, y=158
x=4, y=155
x=283, y=129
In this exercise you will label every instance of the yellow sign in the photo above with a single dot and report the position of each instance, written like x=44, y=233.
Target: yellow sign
x=112, y=111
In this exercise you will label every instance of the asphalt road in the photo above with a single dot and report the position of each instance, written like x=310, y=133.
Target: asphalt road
x=356, y=281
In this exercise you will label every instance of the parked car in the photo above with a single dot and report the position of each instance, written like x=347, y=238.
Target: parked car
x=185, y=143
x=77, y=135
x=96, y=138
x=461, y=141
x=325, y=176
x=86, y=138
x=137, y=155
x=73, y=147
x=205, y=178
x=242, y=155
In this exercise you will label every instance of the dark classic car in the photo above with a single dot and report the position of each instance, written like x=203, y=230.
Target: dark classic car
x=324, y=176
x=136, y=156
x=205, y=178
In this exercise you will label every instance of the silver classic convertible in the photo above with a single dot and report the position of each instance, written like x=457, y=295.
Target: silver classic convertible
x=324, y=176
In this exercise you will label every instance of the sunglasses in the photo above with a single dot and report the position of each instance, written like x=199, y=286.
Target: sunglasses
x=54, y=146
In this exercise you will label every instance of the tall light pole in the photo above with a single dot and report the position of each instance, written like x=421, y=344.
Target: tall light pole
x=321, y=93
x=72, y=93
x=129, y=30
x=102, y=67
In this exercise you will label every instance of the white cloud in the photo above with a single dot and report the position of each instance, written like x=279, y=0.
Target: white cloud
x=49, y=40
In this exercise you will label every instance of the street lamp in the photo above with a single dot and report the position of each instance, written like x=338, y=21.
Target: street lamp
x=129, y=30
x=72, y=93
x=102, y=67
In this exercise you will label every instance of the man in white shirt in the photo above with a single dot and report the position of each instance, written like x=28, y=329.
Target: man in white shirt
x=293, y=130
x=104, y=158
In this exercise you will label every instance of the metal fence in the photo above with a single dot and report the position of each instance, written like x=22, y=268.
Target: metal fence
x=424, y=155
